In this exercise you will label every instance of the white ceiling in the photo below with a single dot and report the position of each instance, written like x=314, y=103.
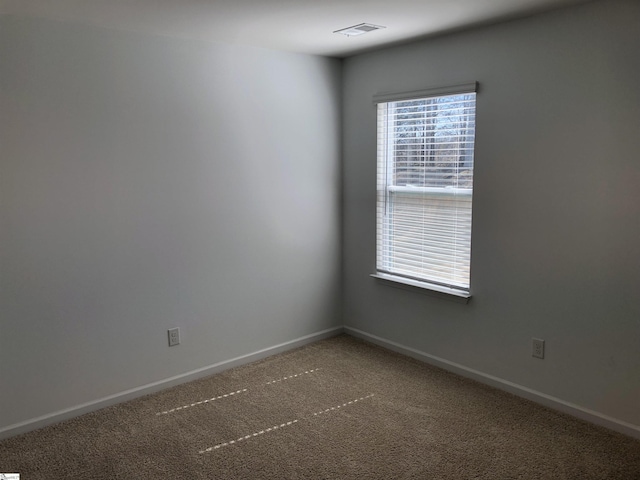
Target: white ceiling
x=304, y=26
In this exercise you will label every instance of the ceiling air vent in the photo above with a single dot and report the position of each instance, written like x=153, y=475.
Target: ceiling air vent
x=359, y=29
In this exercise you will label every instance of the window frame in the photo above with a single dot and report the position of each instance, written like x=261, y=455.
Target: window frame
x=421, y=283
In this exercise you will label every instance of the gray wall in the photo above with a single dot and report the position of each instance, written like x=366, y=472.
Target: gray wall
x=556, y=224
x=149, y=182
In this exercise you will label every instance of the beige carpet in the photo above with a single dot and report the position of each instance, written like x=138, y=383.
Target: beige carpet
x=336, y=409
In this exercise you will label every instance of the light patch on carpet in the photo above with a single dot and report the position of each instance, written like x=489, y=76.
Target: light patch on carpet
x=293, y=376
x=282, y=425
x=337, y=407
x=247, y=437
x=202, y=402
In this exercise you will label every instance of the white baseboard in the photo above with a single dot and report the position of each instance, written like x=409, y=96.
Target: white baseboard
x=59, y=416
x=518, y=390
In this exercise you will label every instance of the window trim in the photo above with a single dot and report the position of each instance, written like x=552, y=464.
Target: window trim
x=405, y=282
x=468, y=87
x=431, y=289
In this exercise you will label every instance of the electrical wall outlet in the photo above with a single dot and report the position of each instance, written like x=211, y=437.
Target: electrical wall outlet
x=174, y=336
x=537, y=347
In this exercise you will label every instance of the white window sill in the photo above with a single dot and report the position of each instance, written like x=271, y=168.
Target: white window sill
x=437, y=291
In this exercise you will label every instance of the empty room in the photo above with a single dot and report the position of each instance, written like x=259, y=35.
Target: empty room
x=302, y=239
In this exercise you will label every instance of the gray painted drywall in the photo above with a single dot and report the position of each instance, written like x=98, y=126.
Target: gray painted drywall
x=147, y=183
x=556, y=221
x=135, y=173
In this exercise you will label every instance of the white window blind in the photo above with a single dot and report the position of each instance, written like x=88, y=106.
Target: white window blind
x=425, y=186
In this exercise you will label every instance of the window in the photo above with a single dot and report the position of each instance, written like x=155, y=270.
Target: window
x=425, y=186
